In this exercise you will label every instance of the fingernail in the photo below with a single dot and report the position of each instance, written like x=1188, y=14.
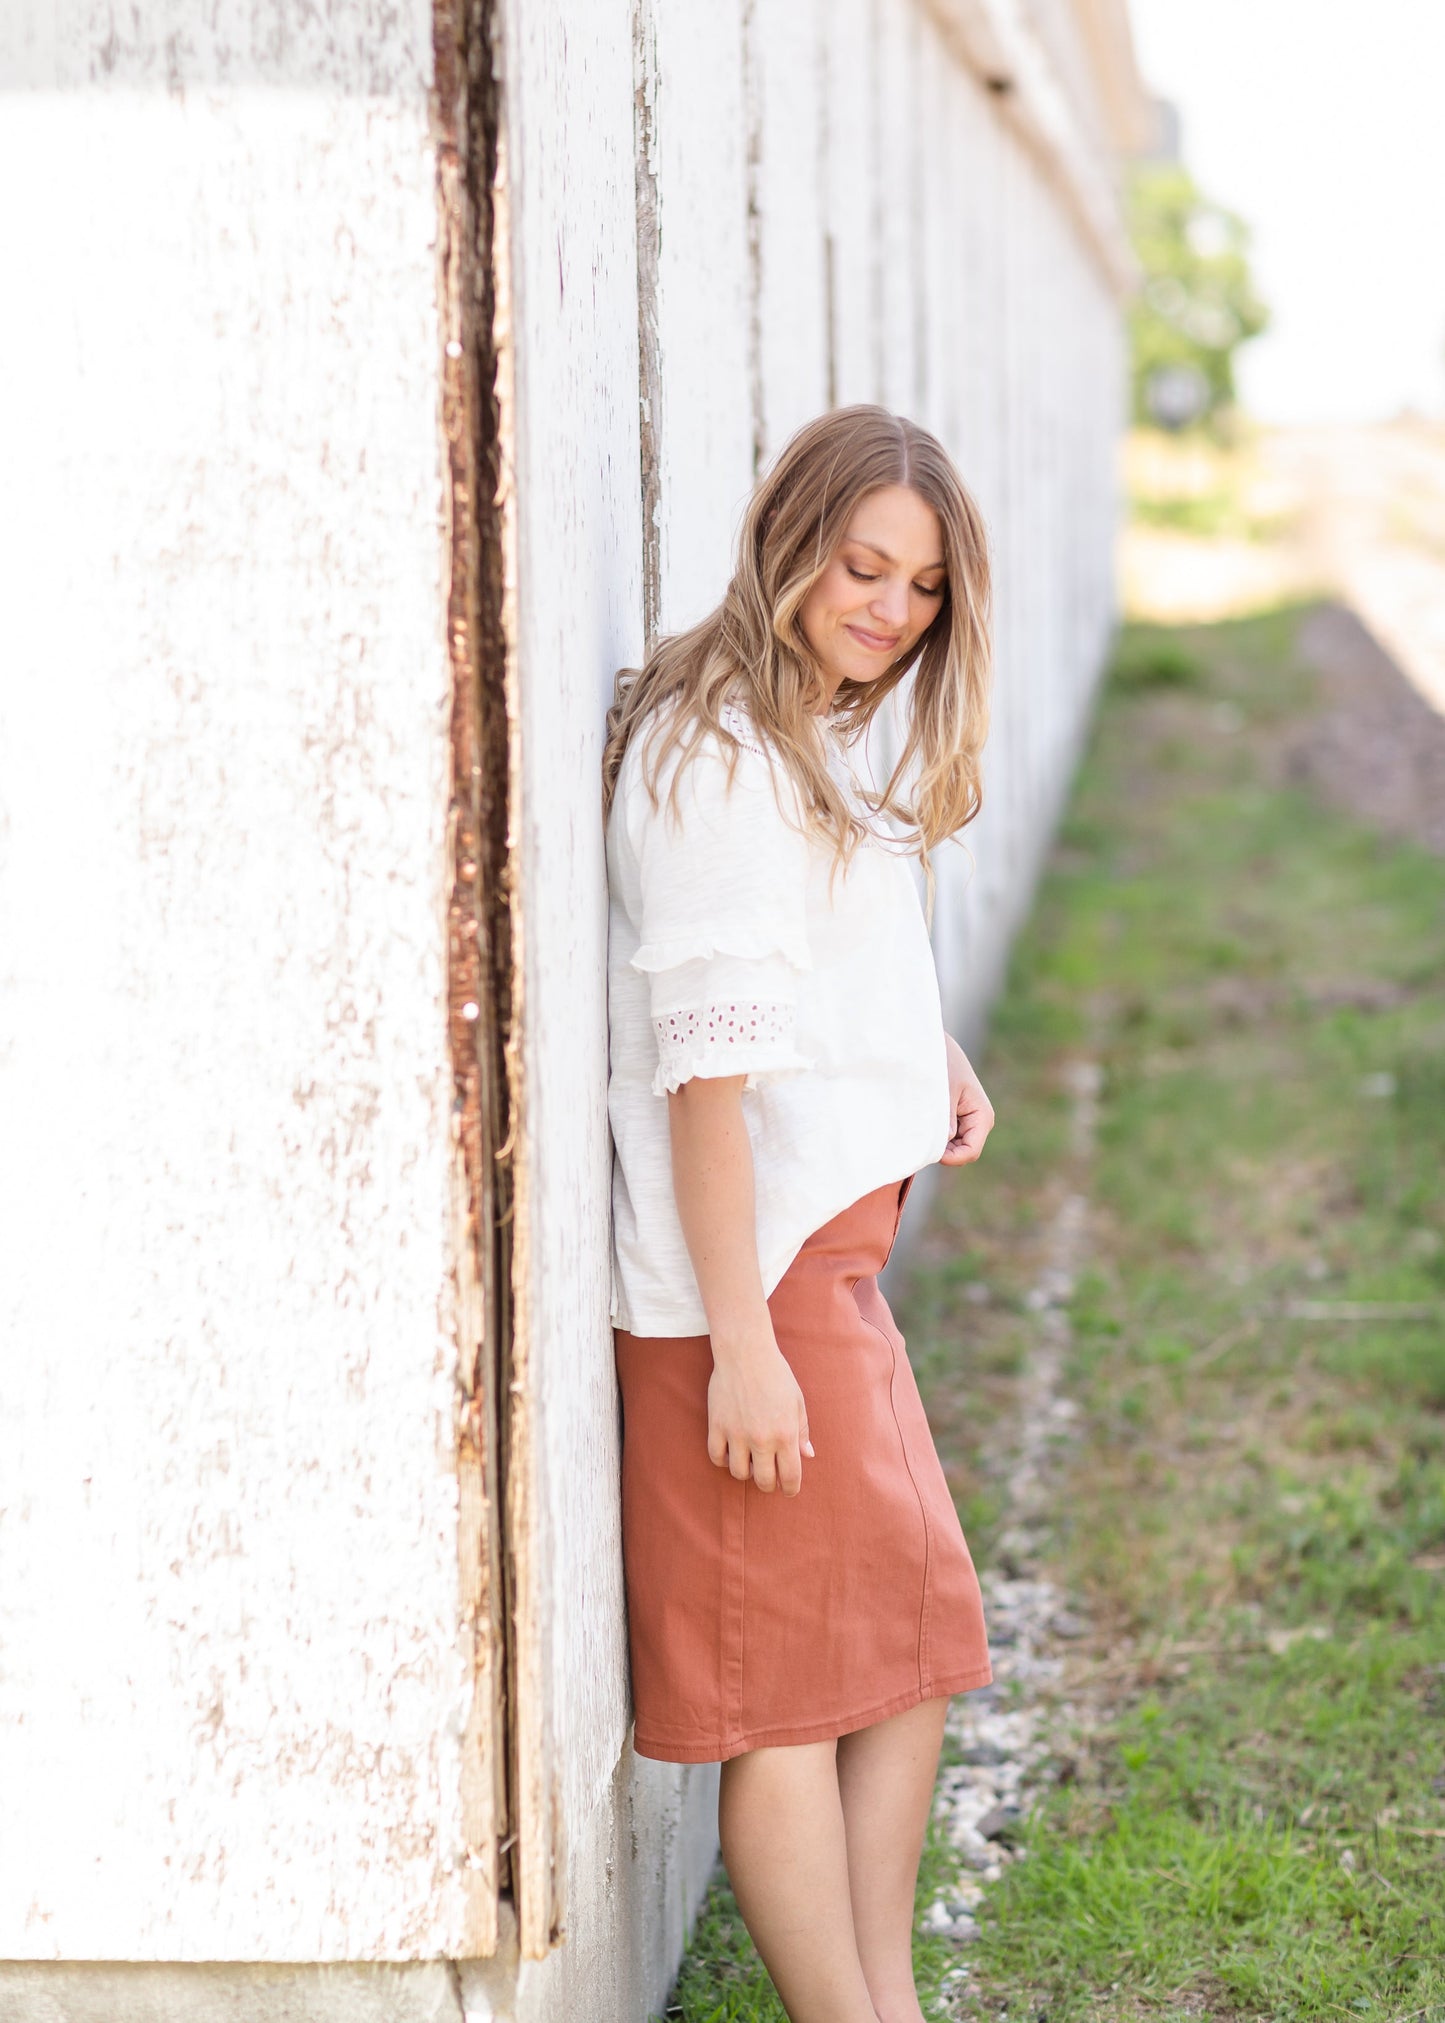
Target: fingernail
x=808, y=1449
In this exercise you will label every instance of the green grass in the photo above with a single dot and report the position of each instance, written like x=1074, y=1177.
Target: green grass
x=1253, y=1822
x=1250, y=1822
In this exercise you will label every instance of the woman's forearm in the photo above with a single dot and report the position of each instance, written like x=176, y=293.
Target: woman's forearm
x=757, y=1421
x=712, y=1180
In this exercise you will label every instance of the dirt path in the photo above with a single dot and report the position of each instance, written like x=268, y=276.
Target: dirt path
x=1376, y=749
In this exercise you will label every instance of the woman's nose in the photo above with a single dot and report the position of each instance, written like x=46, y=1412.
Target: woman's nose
x=890, y=606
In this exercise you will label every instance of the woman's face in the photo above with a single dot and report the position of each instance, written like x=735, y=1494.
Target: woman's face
x=882, y=589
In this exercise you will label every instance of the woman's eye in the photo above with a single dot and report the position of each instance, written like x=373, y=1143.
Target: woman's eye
x=930, y=589
x=859, y=575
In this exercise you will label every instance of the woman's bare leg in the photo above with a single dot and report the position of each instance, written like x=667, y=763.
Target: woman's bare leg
x=783, y=1840
x=885, y=1779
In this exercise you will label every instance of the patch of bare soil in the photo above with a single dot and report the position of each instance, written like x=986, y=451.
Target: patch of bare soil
x=1376, y=749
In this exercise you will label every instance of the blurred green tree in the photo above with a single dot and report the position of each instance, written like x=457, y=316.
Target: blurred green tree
x=1196, y=303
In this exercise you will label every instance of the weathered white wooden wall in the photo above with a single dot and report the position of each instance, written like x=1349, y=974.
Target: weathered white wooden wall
x=830, y=205
x=233, y=1677
x=610, y=1852
x=235, y=1683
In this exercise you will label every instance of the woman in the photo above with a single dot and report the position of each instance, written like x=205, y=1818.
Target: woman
x=801, y=1600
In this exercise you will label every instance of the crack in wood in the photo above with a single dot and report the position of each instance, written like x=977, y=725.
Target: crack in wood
x=649, y=353
x=479, y=951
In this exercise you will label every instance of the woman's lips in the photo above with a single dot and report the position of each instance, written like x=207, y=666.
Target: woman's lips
x=876, y=642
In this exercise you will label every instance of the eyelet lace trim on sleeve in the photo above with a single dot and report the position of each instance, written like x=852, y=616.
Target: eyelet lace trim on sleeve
x=724, y=1039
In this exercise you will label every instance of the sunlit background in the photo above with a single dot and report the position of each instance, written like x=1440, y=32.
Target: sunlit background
x=1319, y=121
x=1290, y=330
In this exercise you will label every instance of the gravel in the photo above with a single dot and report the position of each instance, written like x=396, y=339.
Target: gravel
x=1000, y=1733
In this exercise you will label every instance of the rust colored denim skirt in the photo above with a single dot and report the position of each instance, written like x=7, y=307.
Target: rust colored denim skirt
x=754, y=1619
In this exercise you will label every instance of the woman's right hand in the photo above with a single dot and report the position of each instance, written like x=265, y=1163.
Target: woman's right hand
x=757, y=1422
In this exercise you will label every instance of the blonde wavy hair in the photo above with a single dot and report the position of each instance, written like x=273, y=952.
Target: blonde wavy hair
x=751, y=649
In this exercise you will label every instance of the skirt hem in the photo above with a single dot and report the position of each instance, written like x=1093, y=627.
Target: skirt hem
x=659, y=1750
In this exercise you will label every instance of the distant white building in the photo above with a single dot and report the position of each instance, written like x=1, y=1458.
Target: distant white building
x=374, y=374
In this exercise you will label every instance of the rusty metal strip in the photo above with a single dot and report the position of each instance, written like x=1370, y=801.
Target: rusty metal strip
x=537, y=1858
x=480, y=998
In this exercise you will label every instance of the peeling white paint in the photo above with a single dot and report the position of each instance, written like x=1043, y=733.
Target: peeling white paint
x=233, y=1678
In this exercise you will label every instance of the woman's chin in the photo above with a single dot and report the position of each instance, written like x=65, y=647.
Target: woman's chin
x=857, y=674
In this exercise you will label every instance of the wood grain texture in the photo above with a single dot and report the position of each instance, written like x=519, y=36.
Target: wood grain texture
x=236, y=1674
x=792, y=300
x=573, y=311
x=703, y=308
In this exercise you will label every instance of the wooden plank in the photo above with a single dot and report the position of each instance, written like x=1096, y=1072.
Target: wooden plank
x=792, y=295
x=575, y=615
x=702, y=307
x=234, y=1662
x=852, y=197
x=898, y=222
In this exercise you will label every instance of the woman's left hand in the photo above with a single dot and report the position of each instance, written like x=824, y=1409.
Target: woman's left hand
x=972, y=1111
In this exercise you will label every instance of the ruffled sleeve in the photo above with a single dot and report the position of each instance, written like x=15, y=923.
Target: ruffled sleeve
x=723, y=919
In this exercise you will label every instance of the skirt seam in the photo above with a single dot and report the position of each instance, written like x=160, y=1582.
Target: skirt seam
x=925, y=1605
x=734, y=1648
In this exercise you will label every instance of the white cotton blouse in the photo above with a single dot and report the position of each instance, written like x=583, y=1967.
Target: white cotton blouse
x=728, y=954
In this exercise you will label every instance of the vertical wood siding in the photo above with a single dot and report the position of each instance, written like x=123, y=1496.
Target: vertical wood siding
x=572, y=193
x=240, y=1693
x=827, y=201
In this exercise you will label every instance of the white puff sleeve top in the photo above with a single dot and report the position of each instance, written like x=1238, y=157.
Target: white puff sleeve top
x=728, y=954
